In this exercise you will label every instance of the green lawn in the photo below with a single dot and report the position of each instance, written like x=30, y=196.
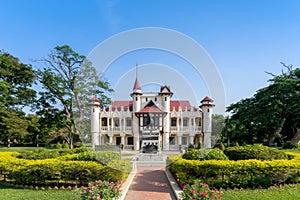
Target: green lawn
x=31, y=194
x=291, y=192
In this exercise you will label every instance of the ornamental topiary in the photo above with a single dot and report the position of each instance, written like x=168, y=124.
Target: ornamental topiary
x=258, y=152
x=204, y=154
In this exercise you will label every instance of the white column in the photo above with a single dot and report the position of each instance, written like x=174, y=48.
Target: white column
x=111, y=139
x=123, y=139
x=179, y=140
x=192, y=140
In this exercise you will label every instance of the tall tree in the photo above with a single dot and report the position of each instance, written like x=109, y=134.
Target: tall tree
x=69, y=81
x=271, y=114
x=16, y=80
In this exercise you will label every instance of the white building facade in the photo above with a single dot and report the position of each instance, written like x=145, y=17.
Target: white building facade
x=151, y=119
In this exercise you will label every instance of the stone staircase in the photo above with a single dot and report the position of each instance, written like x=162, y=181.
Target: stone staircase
x=149, y=159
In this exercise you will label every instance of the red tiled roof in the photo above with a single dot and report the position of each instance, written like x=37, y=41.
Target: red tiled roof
x=118, y=104
x=185, y=104
x=95, y=99
x=151, y=108
x=207, y=99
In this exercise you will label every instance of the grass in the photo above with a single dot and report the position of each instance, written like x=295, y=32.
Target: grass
x=289, y=192
x=31, y=194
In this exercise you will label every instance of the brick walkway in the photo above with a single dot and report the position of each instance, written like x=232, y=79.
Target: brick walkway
x=150, y=183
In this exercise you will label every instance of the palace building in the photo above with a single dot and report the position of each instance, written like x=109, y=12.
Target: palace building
x=151, y=119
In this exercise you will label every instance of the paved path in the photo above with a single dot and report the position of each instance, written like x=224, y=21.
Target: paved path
x=150, y=183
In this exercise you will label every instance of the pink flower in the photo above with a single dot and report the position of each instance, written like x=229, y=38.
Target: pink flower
x=193, y=191
x=200, y=193
x=183, y=187
x=99, y=197
x=89, y=191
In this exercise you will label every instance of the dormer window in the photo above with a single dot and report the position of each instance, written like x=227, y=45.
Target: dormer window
x=146, y=99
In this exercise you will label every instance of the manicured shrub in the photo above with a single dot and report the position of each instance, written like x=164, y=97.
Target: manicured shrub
x=290, y=145
x=49, y=171
x=242, y=173
x=104, y=157
x=258, y=152
x=204, y=154
x=215, y=154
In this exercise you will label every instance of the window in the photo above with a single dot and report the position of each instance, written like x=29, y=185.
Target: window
x=207, y=110
x=146, y=120
x=155, y=99
x=104, y=121
x=136, y=98
x=198, y=121
x=173, y=121
x=130, y=141
x=165, y=98
x=146, y=99
x=118, y=141
x=128, y=122
x=156, y=120
x=172, y=140
x=93, y=109
x=184, y=141
x=116, y=122
x=185, y=121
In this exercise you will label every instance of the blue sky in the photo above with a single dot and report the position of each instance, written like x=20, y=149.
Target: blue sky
x=243, y=38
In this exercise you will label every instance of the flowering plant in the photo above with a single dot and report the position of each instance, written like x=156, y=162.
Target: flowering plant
x=199, y=191
x=100, y=190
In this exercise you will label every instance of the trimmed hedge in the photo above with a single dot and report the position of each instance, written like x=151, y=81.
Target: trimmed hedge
x=204, y=154
x=231, y=174
x=258, y=152
x=41, y=172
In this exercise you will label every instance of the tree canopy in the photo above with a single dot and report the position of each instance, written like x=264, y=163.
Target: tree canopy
x=271, y=115
x=69, y=81
x=16, y=80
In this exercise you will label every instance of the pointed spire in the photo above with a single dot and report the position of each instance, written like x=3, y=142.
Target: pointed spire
x=137, y=86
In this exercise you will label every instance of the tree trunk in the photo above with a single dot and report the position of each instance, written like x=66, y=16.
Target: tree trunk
x=277, y=131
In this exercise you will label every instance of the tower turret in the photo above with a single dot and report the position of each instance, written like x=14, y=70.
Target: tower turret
x=206, y=107
x=136, y=106
x=95, y=121
x=166, y=94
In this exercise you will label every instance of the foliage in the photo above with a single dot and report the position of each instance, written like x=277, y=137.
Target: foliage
x=258, y=152
x=199, y=191
x=42, y=153
x=289, y=145
x=104, y=157
x=69, y=81
x=204, y=154
x=216, y=154
x=100, y=190
x=242, y=173
x=43, y=171
x=271, y=115
x=16, y=80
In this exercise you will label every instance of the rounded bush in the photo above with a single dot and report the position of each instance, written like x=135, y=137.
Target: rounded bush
x=258, y=152
x=215, y=154
x=204, y=154
x=289, y=145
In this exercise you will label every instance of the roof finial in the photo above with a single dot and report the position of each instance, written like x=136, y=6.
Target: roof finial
x=136, y=70
x=137, y=87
